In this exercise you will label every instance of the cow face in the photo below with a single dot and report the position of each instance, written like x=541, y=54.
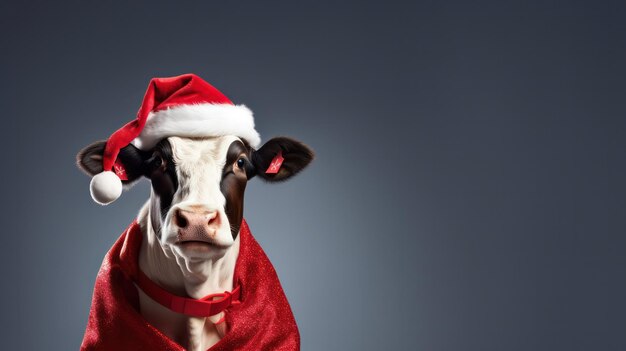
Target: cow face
x=198, y=186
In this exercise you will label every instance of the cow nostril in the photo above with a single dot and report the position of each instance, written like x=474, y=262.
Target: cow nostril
x=181, y=221
x=213, y=219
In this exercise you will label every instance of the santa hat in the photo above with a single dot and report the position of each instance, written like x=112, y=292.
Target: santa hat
x=184, y=106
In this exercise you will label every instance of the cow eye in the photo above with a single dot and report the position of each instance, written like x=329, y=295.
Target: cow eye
x=155, y=162
x=241, y=162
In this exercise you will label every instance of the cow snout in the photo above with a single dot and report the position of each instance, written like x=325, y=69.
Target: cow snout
x=197, y=224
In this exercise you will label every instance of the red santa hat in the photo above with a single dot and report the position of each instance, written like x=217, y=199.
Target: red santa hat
x=184, y=106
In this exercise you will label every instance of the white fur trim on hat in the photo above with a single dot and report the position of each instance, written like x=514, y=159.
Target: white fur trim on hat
x=105, y=187
x=198, y=120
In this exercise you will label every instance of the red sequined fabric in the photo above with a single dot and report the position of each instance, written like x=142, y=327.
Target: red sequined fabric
x=262, y=321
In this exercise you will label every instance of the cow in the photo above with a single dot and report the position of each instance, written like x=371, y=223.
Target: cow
x=190, y=226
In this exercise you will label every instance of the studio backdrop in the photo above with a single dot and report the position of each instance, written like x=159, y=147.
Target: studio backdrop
x=468, y=188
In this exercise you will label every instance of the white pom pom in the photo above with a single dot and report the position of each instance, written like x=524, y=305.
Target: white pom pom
x=105, y=187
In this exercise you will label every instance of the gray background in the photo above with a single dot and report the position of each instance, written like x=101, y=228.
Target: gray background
x=468, y=192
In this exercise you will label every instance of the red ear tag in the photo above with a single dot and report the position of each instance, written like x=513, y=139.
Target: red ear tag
x=119, y=170
x=276, y=163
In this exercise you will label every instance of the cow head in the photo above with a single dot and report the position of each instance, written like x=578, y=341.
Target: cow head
x=198, y=184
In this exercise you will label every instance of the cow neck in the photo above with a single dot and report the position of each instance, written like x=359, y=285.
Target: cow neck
x=171, y=277
x=205, y=307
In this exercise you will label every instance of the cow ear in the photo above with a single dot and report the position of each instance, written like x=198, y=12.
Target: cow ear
x=296, y=157
x=89, y=160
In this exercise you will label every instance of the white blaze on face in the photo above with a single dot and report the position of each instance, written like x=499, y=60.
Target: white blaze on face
x=199, y=164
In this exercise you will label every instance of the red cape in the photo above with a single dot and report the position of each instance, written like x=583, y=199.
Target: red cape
x=262, y=321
